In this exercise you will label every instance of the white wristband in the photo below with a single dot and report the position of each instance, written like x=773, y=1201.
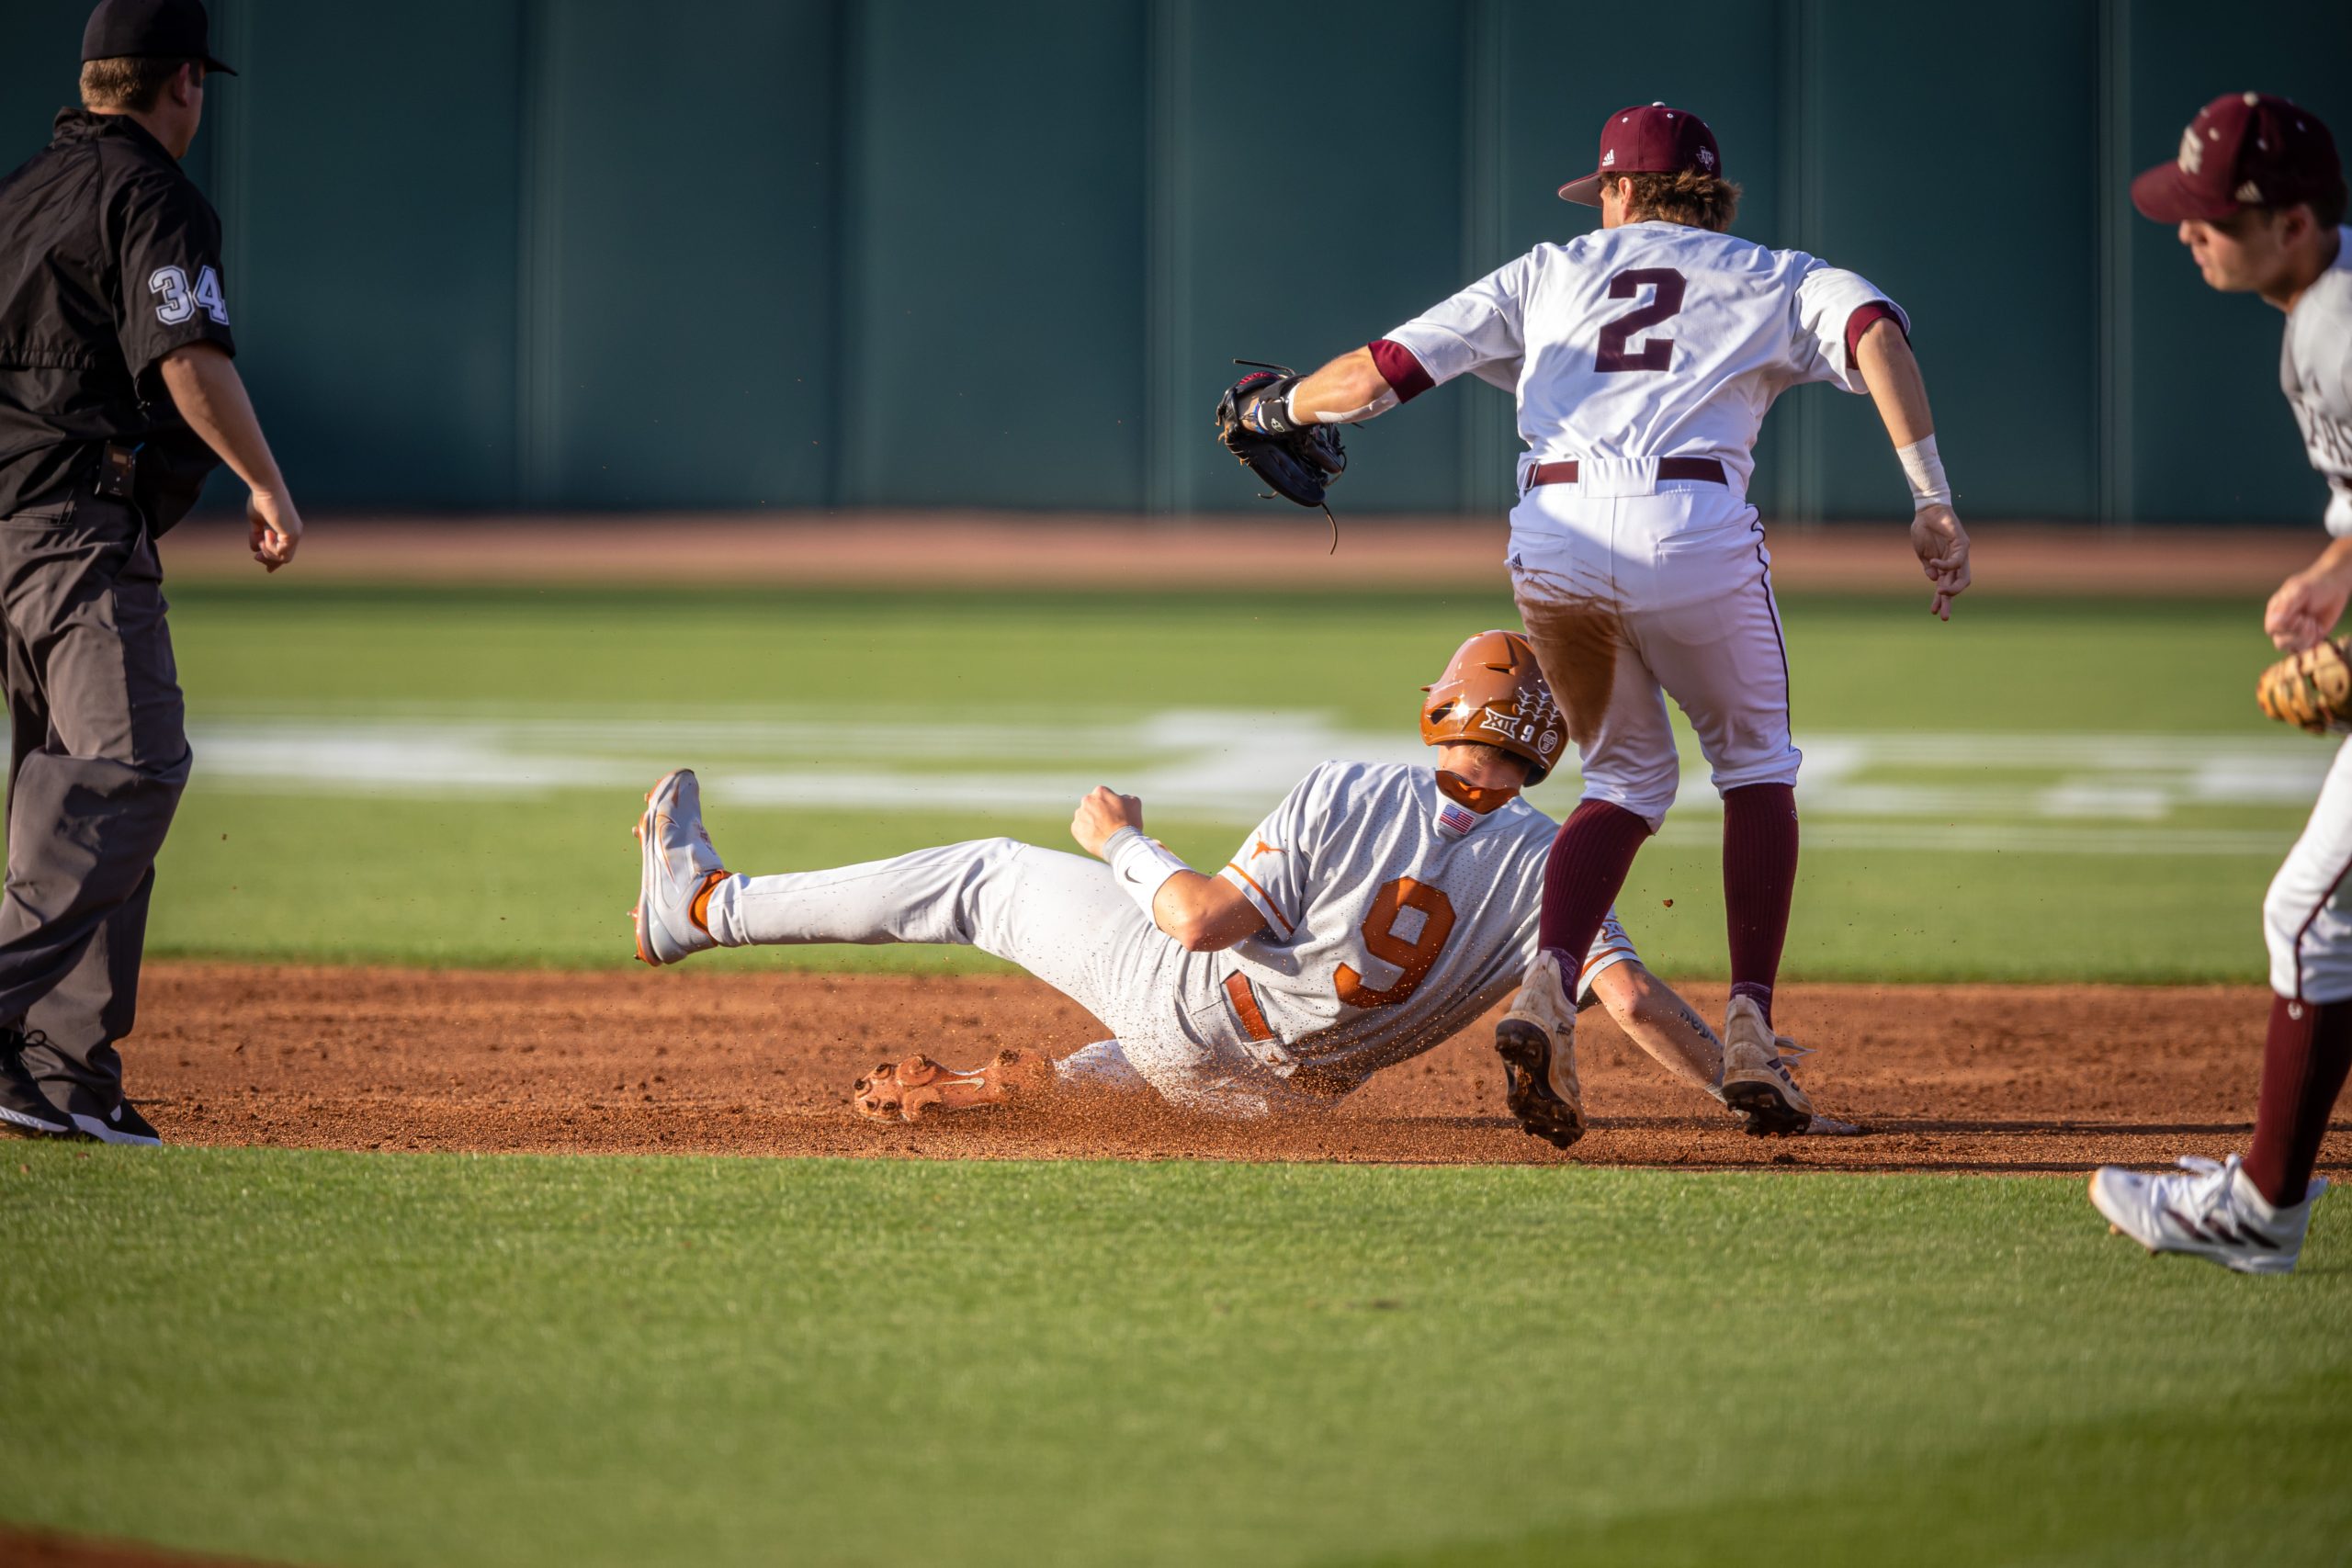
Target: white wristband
x=1926, y=472
x=1141, y=866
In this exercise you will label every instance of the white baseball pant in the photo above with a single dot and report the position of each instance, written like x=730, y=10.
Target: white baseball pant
x=1061, y=917
x=1633, y=588
x=2307, y=915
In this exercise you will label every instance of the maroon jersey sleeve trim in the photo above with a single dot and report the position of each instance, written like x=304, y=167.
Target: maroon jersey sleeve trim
x=1862, y=319
x=1400, y=370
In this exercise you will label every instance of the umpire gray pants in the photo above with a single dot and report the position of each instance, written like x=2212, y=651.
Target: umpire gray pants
x=98, y=757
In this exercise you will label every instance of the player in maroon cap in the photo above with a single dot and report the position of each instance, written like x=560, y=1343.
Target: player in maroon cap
x=2259, y=195
x=1644, y=356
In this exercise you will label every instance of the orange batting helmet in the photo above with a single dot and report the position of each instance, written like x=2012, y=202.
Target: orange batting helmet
x=1493, y=694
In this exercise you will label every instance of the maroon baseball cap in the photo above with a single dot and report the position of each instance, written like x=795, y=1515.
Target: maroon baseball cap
x=1648, y=139
x=2242, y=149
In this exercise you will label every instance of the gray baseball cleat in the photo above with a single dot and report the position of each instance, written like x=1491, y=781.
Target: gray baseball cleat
x=676, y=863
x=1757, y=1082
x=1537, y=1041
x=2209, y=1210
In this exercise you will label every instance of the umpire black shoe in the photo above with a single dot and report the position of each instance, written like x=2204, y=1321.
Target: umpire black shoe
x=25, y=1112
x=123, y=1124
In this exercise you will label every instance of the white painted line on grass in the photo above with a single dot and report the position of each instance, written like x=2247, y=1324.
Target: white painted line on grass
x=1978, y=793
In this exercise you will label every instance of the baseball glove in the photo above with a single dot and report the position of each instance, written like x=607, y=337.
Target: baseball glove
x=1300, y=461
x=2311, y=690
x=911, y=1089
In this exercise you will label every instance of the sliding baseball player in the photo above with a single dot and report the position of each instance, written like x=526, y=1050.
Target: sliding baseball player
x=1376, y=912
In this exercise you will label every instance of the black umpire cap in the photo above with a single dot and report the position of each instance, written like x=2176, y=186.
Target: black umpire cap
x=133, y=29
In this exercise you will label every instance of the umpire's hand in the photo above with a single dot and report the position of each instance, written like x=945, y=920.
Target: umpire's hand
x=276, y=528
x=204, y=387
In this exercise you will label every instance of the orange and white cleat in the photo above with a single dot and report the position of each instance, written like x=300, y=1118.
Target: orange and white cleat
x=919, y=1086
x=676, y=863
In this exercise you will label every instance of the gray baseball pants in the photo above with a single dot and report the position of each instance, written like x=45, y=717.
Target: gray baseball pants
x=99, y=757
x=1060, y=917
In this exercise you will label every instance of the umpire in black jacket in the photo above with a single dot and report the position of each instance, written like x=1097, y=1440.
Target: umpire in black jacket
x=117, y=396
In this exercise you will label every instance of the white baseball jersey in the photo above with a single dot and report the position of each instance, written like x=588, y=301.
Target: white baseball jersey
x=1398, y=908
x=1394, y=915
x=2307, y=915
x=2315, y=372
x=1652, y=340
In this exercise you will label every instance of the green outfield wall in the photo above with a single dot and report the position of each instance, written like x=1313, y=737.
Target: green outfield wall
x=591, y=254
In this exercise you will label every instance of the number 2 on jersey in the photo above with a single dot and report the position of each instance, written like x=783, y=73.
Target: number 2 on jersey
x=1415, y=958
x=1656, y=353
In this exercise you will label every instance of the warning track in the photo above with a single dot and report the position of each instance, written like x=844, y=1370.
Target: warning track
x=907, y=550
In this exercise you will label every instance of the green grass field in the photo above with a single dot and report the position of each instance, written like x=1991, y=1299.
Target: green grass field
x=688, y=1361
x=2028, y=793
x=362, y=1360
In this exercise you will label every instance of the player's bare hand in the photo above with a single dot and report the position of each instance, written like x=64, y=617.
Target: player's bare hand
x=276, y=528
x=1942, y=545
x=2305, y=609
x=1102, y=813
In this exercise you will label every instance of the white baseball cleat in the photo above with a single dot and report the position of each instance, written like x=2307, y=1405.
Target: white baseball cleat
x=676, y=864
x=1820, y=1126
x=2213, y=1211
x=1757, y=1082
x=1537, y=1041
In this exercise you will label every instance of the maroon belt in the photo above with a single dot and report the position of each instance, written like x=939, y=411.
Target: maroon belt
x=1703, y=468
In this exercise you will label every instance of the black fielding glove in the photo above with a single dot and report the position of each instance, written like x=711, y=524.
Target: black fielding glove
x=1299, y=461
x=1266, y=409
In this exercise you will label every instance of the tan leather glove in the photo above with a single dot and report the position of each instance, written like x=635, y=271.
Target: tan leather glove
x=2311, y=690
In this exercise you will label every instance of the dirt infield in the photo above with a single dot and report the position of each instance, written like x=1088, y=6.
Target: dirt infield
x=1949, y=1078
x=1286, y=552
x=23, y=1548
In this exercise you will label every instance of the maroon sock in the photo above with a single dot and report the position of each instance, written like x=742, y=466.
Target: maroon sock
x=2305, y=1059
x=1760, y=880
x=1590, y=856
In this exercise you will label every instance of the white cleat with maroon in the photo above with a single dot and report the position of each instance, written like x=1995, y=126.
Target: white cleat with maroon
x=1756, y=1081
x=2210, y=1209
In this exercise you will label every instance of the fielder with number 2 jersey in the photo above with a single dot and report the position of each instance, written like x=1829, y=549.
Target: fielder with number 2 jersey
x=1373, y=913
x=1644, y=357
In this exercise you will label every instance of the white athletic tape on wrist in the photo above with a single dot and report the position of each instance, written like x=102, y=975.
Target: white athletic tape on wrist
x=1926, y=472
x=1141, y=865
x=1379, y=405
